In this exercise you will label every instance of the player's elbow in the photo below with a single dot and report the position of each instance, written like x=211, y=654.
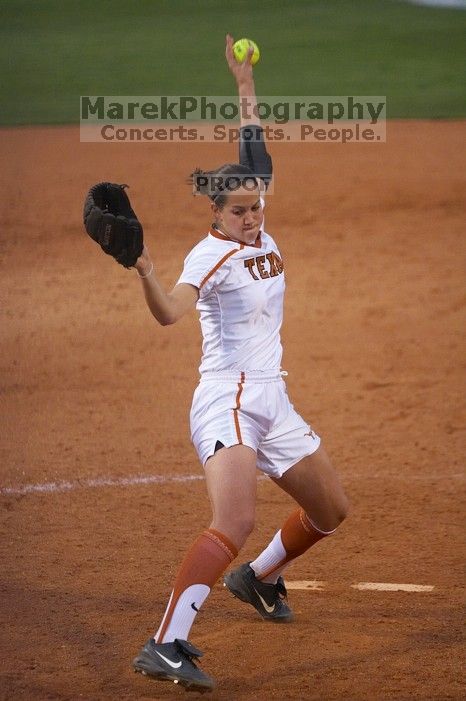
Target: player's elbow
x=166, y=319
x=165, y=314
x=170, y=316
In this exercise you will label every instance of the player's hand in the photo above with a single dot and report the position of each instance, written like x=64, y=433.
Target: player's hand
x=144, y=262
x=242, y=72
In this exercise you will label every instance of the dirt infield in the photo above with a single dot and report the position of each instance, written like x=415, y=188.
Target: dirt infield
x=92, y=389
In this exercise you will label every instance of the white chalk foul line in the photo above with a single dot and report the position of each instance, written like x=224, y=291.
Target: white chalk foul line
x=99, y=482
x=316, y=585
x=67, y=486
x=93, y=483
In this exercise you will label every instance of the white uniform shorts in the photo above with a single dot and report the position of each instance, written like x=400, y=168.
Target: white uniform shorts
x=250, y=409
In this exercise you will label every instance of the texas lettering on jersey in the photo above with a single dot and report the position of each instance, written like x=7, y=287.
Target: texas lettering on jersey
x=268, y=265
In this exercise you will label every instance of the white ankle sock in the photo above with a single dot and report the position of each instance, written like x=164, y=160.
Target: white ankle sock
x=273, y=554
x=187, y=606
x=273, y=559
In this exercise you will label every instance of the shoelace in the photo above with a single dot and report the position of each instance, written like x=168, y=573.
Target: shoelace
x=281, y=589
x=188, y=656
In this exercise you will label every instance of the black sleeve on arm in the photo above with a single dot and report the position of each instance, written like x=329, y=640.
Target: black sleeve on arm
x=253, y=153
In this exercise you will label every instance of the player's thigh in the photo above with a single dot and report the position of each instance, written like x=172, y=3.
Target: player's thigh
x=232, y=485
x=314, y=484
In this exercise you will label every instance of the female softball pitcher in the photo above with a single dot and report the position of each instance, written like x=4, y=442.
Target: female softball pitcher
x=241, y=416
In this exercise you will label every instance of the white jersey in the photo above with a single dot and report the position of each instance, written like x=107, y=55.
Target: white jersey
x=241, y=290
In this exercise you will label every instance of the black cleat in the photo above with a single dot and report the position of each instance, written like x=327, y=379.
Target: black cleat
x=173, y=662
x=267, y=599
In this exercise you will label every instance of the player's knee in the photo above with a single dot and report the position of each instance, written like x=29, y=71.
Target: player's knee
x=338, y=510
x=242, y=526
x=238, y=527
x=334, y=512
x=341, y=508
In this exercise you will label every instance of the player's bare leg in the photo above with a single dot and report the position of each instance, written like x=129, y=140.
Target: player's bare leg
x=231, y=483
x=314, y=484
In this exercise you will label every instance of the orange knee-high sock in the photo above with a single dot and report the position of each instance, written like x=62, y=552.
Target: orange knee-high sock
x=297, y=535
x=207, y=558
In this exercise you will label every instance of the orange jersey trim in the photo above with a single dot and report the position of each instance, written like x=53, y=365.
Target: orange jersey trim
x=219, y=235
x=238, y=407
x=219, y=265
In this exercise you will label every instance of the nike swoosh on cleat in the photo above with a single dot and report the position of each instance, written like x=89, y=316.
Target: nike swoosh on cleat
x=269, y=609
x=175, y=665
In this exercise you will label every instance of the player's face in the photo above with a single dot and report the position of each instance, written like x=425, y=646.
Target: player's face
x=241, y=217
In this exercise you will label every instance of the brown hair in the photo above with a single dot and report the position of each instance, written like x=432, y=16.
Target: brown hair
x=218, y=183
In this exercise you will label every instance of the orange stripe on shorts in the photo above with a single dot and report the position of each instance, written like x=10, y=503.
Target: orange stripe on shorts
x=238, y=407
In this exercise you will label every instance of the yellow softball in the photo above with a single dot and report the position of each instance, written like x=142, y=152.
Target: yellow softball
x=241, y=48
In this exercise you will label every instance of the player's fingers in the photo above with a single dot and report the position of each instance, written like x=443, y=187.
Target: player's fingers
x=229, y=49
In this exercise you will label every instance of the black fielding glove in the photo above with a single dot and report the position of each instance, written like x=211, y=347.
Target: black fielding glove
x=110, y=220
